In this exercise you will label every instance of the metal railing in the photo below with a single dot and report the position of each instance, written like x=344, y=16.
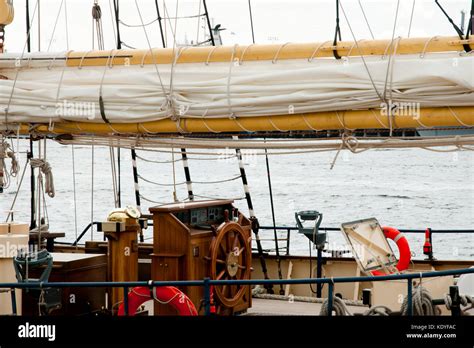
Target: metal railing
x=287, y=229
x=290, y=229
x=207, y=283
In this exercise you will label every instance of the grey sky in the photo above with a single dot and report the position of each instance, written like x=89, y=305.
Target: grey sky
x=275, y=21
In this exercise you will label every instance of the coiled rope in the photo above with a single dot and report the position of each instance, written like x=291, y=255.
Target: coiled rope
x=340, y=309
x=422, y=303
x=421, y=299
x=46, y=169
x=464, y=299
x=338, y=306
x=6, y=152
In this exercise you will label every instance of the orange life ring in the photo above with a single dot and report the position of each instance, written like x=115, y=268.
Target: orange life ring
x=163, y=294
x=403, y=248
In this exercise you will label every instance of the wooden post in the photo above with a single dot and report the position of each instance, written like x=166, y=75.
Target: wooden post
x=122, y=258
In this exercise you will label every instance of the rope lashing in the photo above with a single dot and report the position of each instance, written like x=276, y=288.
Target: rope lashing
x=464, y=299
x=378, y=311
x=46, y=169
x=6, y=152
x=348, y=142
x=422, y=303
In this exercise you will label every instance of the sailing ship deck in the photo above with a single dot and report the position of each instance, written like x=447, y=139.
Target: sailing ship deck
x=262, y=306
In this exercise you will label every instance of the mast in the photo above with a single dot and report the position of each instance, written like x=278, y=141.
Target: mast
x=255, y=223
x=28, y=40
x=30, y=154
x=119, y=161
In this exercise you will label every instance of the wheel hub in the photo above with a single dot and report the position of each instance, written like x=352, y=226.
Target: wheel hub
x=232, y=263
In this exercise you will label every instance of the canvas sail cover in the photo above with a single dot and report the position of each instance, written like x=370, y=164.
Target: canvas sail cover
x=44, y=88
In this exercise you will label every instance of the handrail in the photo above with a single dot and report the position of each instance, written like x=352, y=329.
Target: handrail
x=290, y=229
x=84, y=231
x=402, y=276
x=207, y=283
x=403, y=230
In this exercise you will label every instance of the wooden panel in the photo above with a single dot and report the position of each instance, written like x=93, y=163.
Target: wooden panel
x=73, y=268
x=166, y=268
x=123, y=260
x=179, y=251
x=196, y=266
x=169, y=234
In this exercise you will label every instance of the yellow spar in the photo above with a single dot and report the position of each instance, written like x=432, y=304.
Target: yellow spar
x=272, y=52
x=355, y=119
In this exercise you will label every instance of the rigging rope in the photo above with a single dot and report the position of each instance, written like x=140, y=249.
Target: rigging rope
x=97, y=17
x=10, y=212
x=113, y=24
x=337, y=33
x=361, y=55
x=5, y=175
x=217, y=198
x=18, y=68
x=161, y=184
x=150, y=200
x=366, y=20
x=466, y=46
x=55, y=24
x=298, y=146
x=74, y=191
x=92, y=187
x=113, y=170
x=275, y=235
x=46, y=169
x=159, y=162
x=251, y=22
x=165, y=94
x=411, y=17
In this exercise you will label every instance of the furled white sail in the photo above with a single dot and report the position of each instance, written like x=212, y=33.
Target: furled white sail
x=42, y=88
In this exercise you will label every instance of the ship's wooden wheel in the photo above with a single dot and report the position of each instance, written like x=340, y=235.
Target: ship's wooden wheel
x=230, y=259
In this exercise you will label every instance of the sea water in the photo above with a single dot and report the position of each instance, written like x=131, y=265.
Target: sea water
x=403, y=188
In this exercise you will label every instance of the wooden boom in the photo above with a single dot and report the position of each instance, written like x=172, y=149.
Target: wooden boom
x=267, y=52
x=355, y=119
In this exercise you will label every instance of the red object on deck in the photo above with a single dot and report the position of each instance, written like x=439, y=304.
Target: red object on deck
x=427, y=247
x=403, y=247
x=163, y=294
x=212, y=303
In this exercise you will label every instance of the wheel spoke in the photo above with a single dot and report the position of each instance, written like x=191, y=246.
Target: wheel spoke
x=241, y=267
x=236, y=242
x=233, y=290
x=228, y=241
x=220, y=275
x=221, y=246
x=220, y=261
